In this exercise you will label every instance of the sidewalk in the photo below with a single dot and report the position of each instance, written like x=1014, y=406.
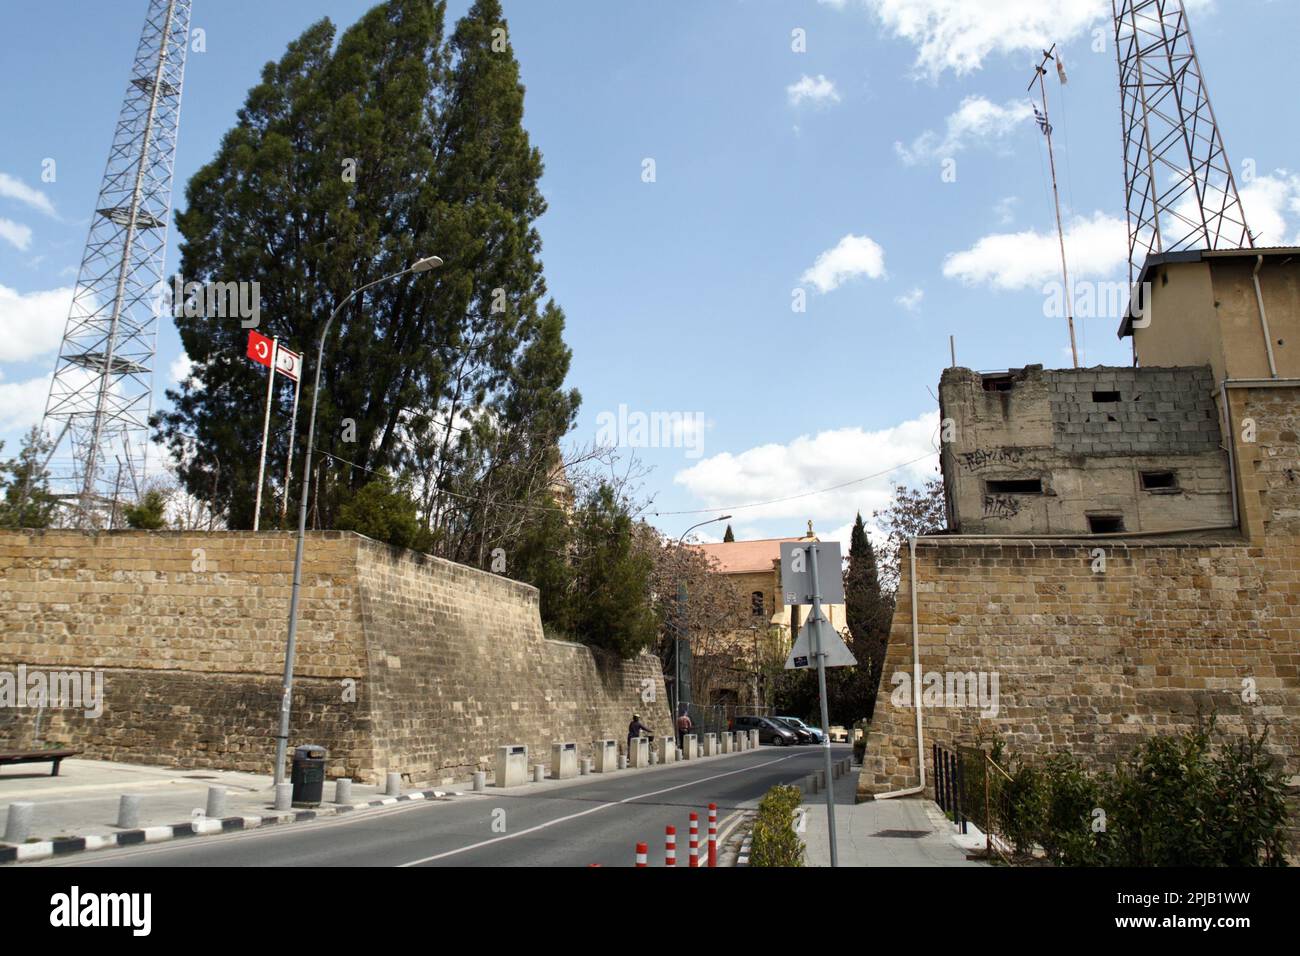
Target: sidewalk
x=901, y=832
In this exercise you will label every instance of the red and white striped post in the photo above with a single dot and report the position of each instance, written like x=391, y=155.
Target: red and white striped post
x=670, y=846
x=642, y=851
x=695, y=839
x=713, y=834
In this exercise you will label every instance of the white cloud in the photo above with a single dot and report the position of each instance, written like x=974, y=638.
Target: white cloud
x=15, y=233
x=812, y=462
x=13, y=188
x=32, y=325
x=977, y=119
x=959, y=35
x=1005, y=209
x=852, y=256
x=911, y=300
x=818, y=89
x=1267, y=200
x=181, y=368
x=22, y=404
x=1023, y=260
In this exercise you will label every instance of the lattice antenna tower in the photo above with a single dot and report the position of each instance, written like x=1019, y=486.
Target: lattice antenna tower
x=1178, y=183
x=101, y=395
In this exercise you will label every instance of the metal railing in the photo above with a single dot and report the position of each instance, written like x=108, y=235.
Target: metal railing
x=971, y=787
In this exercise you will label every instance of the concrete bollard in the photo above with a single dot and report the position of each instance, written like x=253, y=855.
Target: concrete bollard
x=284, y=796
x=622, y=761
x=753, y=740
x=654, y=756
x=821, y=779
x=711, y=745
x=511, y=766
x=667, y=750
x=480, y=781
x=343, y=790
x=18, y=825
x=564, y=760
x=728, y=740
x=638, y=750
x=539, y=772
x=128, y=811
x=584, y=768
x=393, y=787
x=216, y=808
x=688, y=747
x=606, y=752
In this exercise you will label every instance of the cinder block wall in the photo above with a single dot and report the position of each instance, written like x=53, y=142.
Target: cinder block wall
x=404, y=662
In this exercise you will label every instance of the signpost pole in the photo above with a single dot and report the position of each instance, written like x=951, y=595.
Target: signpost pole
x=266, y=429
x=820, y=653
x=288, y=461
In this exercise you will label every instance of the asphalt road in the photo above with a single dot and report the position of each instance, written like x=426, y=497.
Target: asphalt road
x=595, y=819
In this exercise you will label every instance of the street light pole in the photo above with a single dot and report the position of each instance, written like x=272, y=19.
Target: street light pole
x=679, y=620
x=282, y=739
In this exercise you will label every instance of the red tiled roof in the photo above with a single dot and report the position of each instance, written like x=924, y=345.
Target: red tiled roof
x=738, y=557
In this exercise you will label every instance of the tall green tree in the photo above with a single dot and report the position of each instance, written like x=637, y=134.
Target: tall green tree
x=346, y=164
x=870, y=612
x=27, y=501
x=612, y=578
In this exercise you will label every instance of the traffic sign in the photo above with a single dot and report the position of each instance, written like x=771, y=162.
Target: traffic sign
x=802, y=655
x=796, y=572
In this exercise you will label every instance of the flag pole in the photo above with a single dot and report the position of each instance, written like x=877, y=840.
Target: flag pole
x=288, y=461
x=266, y=429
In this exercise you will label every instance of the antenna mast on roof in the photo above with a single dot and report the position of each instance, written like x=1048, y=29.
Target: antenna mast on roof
x=1040, y=72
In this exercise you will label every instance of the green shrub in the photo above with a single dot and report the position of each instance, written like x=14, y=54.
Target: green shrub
x=775, y=842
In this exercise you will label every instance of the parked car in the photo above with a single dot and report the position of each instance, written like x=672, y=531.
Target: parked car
x=802, y=735
x=769, y=730
x=814, y=732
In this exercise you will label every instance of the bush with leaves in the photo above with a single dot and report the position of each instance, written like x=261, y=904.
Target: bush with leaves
x=148, y=514
x=775, y=842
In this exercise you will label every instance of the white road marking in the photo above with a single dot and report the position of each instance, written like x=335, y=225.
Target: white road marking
x=597, y=809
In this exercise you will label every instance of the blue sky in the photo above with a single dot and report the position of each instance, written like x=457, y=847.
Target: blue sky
x=777, y=173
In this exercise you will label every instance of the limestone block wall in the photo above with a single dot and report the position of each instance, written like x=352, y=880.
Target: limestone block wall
x=404, y=662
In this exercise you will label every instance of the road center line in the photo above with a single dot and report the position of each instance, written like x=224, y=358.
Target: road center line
x=597, y=809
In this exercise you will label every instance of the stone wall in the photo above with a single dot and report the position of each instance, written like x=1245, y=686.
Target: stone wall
x=404, y=662
x=1100, y=643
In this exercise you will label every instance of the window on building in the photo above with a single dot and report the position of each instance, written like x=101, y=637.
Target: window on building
x=1015, y=486
x=998, y=383
x=1159, y=481
x=1105, y=398
x=757, y=604
x=1105, y=524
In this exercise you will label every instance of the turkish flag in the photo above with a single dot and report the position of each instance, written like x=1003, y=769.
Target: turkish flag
x=260, y=348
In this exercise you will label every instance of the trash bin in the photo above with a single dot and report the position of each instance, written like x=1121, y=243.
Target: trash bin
x=308, y=775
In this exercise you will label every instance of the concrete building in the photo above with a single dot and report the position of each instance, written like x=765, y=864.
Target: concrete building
x=1188, y=604
x=1085, y=451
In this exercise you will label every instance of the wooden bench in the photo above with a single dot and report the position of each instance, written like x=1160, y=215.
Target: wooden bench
x=55, y=757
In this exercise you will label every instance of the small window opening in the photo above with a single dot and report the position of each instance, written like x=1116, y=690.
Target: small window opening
x=998, y=383
x=757, y=603
x=1159, y=481
x=1105, y=398
x=1018, y=486
x=1105, y=524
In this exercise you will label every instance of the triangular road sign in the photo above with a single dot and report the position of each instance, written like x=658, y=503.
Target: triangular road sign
x=837, y=652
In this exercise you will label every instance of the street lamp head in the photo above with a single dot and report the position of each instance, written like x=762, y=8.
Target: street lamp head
x=425, y=264
x=724, y=518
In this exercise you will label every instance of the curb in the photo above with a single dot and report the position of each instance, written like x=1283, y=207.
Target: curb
x=48, y=849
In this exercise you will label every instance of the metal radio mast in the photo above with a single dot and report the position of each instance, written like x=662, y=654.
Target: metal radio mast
x=1179, y=186
x=101, y=395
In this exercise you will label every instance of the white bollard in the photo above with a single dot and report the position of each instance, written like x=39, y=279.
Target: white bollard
x=480, y=781
x=128, y=811
x=539, y=772
x=622, y=761
x=216, y=803
x=688, y=747
x=667, y=750
x=343, y=790
x=606, y=755
x=638, y=753
x=564, y=760
x=511, y=766
x=18, y=826
x=394, y=787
